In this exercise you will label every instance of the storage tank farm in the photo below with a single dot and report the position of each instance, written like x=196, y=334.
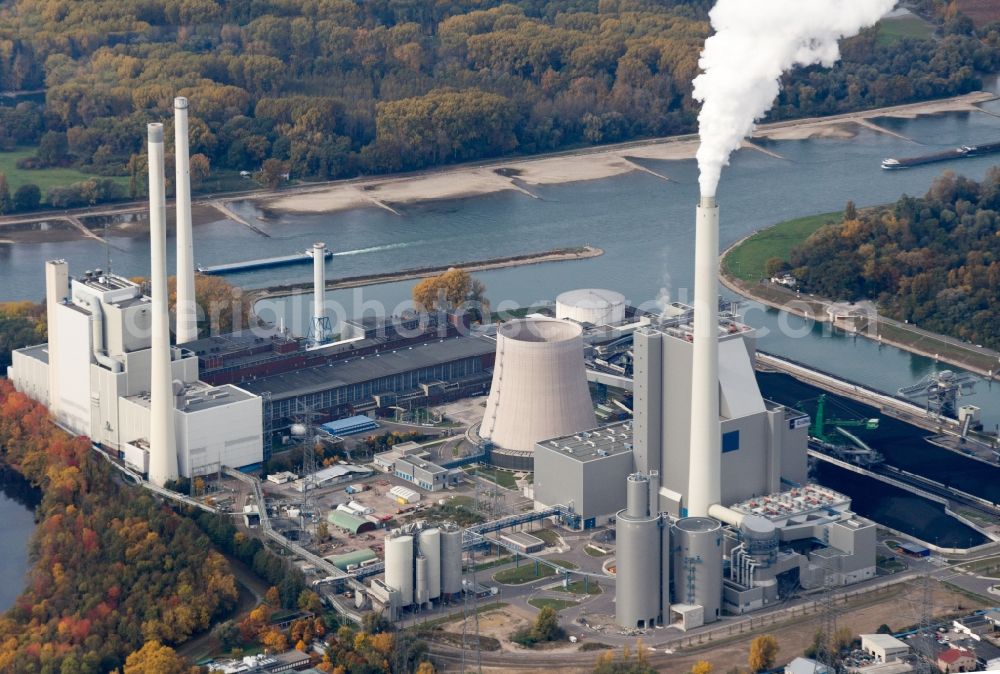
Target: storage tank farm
x=423, y=563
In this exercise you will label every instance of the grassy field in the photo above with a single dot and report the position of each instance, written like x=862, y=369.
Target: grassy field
x=550, y=537
x=746, y=261
x=890, y=30
x=503, y=478
x=579, y=587
x=526, y=572
x=44, y=178
x=557, y=604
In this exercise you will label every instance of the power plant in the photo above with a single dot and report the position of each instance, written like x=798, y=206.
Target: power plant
x=700, y=481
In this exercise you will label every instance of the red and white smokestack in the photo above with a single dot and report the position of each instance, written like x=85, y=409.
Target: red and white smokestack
x=320, y=324
x=162, y=444
x=705, y=474
x=187, y=309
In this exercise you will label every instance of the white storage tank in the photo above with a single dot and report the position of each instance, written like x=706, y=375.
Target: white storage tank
x=421, y=592
x=429, y=545
x=451, y=560
x=697, y=545
x=399, y=567
x=591, y=305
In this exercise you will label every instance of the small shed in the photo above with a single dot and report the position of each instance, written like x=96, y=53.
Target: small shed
x=884, y=647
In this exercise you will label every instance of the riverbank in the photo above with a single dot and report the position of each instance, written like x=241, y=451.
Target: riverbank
x=560, y=255
x=741, y=271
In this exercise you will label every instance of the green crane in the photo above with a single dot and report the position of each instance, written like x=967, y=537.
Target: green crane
x=820, y=422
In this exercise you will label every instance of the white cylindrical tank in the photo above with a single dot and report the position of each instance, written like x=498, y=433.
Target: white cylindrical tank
x=697, y=545
x=451, y=560
x=421, y=592
x=399, y=567
x=591, y=305
x=429, y=545
x=539, y=386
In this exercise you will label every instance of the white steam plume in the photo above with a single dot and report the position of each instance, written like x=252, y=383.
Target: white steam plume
x=755, y=41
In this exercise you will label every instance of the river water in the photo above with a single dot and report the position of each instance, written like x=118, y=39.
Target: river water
x=17, y=521
x=644, y=224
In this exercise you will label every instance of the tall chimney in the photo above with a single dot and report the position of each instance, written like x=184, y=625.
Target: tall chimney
x=162, y=444
x=705, y=474
x=56, y=290
x=187, y=309
x=320, y=324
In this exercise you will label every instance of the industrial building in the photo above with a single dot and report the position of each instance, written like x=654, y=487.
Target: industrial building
x=539, y=389
x=108, y=370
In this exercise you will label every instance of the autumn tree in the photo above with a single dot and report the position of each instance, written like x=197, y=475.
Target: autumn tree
x=200, y=169
x=701, y=667
x=272, y=173
x=763, y=652
x=155, y=658
x=453, y=289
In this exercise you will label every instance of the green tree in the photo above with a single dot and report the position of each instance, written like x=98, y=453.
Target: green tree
x=6, y=203
x=53, y=149
x=27, y=197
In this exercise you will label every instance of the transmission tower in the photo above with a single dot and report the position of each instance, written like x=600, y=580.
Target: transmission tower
x=473, y=613
x=305, y=428
x=925, y=626
x=827, y=632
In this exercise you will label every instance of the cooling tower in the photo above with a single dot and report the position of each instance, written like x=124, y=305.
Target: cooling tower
x=705, y=476
x=187, y=308
x=539, y=386
x=591, y=305
x=162, y=444
x=697, y=545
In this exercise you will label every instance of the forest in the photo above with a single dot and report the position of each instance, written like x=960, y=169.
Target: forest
x=336, y=88
x=933, y=260
x=112, y=569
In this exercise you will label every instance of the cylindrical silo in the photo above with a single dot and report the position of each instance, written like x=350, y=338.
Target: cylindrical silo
x=637, y=495
x=697, y=545
x=420, y=589
x=429, y=545
x=591, y=305
x=637, y=562
x=760, y=538
x=539, y=386
x=399, y=567
x=451, y=560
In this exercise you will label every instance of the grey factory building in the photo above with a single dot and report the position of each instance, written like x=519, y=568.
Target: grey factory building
x=586, y=471
x=763, y=444
x=430, y=372
x=771, y=532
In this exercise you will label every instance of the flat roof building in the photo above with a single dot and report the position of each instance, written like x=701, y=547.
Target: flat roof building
x=523, y=542
x=585, y=471
x=424, y=474
x=884, y=647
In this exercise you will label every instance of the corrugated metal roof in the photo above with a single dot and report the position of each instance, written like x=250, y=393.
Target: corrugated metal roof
x=355, y=557
x=339, y=518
